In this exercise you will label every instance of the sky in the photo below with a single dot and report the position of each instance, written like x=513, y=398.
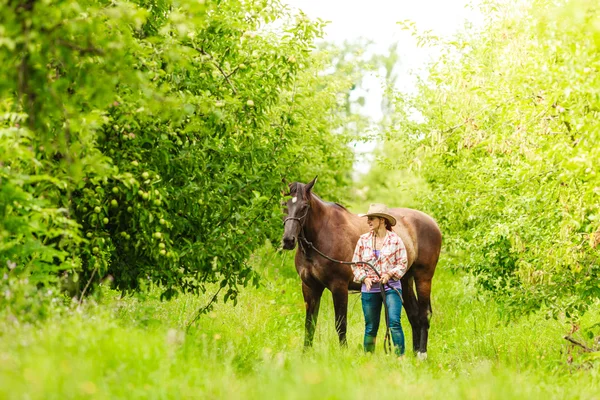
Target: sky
x=377, y=20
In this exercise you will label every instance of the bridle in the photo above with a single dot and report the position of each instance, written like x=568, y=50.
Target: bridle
x=299, y=219
x=301, y=223
x=304, y=244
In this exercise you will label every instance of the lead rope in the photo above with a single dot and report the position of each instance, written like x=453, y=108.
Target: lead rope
x=387, y=347
x=386, y=340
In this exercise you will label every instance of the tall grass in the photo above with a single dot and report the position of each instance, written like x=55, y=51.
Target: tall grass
x=138, y=347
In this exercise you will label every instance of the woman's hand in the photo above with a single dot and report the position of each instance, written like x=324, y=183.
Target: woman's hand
x=385, y=278
x=368, y=283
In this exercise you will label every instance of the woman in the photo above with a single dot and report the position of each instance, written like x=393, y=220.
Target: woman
x=386, y=252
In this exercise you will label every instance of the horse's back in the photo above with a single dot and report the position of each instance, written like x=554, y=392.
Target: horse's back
x=421, y=236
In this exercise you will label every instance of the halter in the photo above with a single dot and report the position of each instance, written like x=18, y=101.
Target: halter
x=298, y=219
x=301, y=223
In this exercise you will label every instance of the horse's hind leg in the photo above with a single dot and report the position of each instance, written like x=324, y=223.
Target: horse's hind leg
x=412, y=309
x=424, y=301
x=312, y=300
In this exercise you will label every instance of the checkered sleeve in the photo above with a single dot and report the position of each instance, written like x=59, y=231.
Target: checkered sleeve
x=358, y=269
x=400, y=264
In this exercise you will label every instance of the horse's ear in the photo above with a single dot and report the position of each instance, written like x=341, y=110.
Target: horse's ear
x=310, y=185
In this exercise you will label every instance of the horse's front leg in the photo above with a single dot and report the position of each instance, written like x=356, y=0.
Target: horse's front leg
x=312, y=299
x=340, y=304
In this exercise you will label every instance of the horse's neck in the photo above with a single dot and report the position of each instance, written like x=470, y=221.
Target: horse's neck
x=323, y=220
x=315, y=221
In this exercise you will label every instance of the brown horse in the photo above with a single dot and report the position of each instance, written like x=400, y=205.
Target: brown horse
x=334, y=230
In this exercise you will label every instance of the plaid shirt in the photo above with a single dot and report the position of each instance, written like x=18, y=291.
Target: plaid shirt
x=392, y=258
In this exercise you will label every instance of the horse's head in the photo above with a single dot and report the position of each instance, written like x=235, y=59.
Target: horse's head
x=298, y=207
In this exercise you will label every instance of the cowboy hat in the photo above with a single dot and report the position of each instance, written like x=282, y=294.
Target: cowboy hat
x=379, y=210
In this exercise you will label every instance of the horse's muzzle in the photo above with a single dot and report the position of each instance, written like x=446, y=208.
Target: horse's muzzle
x=288, y=243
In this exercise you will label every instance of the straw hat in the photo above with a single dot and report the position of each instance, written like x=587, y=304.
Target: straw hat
x=379, y=210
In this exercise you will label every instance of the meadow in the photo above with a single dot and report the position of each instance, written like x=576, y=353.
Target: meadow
x=140, y=347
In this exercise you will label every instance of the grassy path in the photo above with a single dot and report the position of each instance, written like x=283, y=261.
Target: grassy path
x=137, y=348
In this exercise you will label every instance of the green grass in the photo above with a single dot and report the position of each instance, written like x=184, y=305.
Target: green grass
x=138, y=348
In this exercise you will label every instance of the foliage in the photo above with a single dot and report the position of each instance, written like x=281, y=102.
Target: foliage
x=505, y=130
x=160, y=132
x=32, y=233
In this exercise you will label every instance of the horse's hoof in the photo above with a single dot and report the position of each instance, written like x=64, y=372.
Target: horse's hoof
x=421, y=356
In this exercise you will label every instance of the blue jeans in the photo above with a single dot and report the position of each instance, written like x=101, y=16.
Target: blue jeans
x=371, y=303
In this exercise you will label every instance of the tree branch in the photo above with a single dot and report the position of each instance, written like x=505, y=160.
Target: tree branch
x=86, y=286
x=575, y=342
x=204, y=309
x=216, y=64
x=232, y=72
x=84, y=50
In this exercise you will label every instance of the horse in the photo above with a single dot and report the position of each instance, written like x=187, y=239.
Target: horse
x=334, y=231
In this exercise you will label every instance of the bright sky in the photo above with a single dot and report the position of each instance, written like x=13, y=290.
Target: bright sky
x=377, y=20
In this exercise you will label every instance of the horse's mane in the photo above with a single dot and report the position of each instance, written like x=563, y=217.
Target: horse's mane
x=331, y=203
x=294, y=186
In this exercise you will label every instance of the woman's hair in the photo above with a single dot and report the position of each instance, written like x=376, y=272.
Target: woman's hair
x=388, y=226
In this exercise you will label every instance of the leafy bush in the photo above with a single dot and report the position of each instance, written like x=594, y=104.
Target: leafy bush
x=508, y=142
x=34, y=236
x=167, y=129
